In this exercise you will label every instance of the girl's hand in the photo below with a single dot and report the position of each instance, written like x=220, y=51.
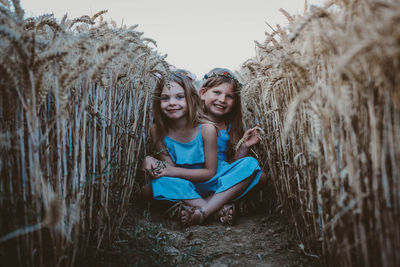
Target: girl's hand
x=162, y=169
x=153, y=166
x=251, y=137
x=149, y=163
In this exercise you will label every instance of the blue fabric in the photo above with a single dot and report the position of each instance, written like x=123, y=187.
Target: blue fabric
x=186, y=155
x=230, y=174
x=191, y=155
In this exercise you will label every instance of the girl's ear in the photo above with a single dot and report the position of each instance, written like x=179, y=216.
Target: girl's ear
x=202, y=92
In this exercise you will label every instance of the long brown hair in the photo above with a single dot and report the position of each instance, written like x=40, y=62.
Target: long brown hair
x=233, y=119
x=192, y=100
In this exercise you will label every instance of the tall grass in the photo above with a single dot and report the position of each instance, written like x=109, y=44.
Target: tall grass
x=326, y=92
x=74, y=117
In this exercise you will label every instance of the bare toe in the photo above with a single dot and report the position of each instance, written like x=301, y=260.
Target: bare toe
x=227, y=214
x=184, y=217
x=192, y=216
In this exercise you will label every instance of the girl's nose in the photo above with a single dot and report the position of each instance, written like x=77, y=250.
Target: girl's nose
x=172, y=101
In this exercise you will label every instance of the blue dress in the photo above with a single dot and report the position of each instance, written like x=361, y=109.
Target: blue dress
x=191, y=155
x=230, y=174
x=186, y=155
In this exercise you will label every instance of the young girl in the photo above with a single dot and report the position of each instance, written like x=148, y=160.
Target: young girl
x=187, y=148
x=220, y=94
x=189, y=154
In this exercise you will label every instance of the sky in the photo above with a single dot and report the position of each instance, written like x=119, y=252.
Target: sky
x=197, y=35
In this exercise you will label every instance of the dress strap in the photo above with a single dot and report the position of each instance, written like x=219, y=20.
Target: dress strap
x=199, y=135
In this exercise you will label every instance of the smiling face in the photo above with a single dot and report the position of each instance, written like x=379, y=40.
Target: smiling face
x=218, y=100
x=173, y=102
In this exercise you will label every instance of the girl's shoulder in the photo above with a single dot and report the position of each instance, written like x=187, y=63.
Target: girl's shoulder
x=208, y=129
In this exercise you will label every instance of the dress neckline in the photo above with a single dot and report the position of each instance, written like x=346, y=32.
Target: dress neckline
x=191, y=141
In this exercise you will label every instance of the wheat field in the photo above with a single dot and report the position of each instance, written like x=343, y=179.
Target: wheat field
x=75, y=114
x=326, y=93
x=75, y=97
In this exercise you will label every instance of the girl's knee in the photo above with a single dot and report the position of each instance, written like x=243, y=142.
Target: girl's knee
x=149, y=159
x=263, y=179
x=251, y=162
x=147, y=162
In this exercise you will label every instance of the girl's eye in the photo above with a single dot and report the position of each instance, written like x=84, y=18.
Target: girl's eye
x=229, y=96
x=164, y=98
x=217, y=92
x=180, y=97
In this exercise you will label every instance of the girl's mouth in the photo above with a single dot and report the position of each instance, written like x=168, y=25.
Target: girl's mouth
x=173, y=110
x=220, y=107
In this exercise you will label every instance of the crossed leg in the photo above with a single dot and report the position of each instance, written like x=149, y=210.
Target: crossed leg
x=216, y=202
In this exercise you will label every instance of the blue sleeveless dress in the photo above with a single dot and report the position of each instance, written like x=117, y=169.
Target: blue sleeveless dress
x=230, y=174
x=191, y=155
x=186, y=155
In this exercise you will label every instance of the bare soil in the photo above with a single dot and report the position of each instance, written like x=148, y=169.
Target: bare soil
x=149, y=239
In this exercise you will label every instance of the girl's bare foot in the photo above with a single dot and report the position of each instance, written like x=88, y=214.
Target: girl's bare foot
x=227, y=214
x=192, y=216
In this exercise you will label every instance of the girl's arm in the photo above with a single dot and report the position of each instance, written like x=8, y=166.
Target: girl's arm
x=152, y=164
x=163, y=154
x=209, y=135
x=250, y=137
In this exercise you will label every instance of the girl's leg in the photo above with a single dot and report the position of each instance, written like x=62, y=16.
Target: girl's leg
x=215, y=202
x=263, y=179
x=195, y=203
x=198, y=202
x=218, y=200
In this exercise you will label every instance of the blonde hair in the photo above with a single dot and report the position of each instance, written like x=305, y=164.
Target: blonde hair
x=190, y=75
x=192, y=101
x=233, y=119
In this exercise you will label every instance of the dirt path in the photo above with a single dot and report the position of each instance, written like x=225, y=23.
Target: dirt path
x=253, y=241
x=257, y=240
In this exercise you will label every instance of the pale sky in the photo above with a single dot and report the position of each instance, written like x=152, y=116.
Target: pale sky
x=196, y=35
